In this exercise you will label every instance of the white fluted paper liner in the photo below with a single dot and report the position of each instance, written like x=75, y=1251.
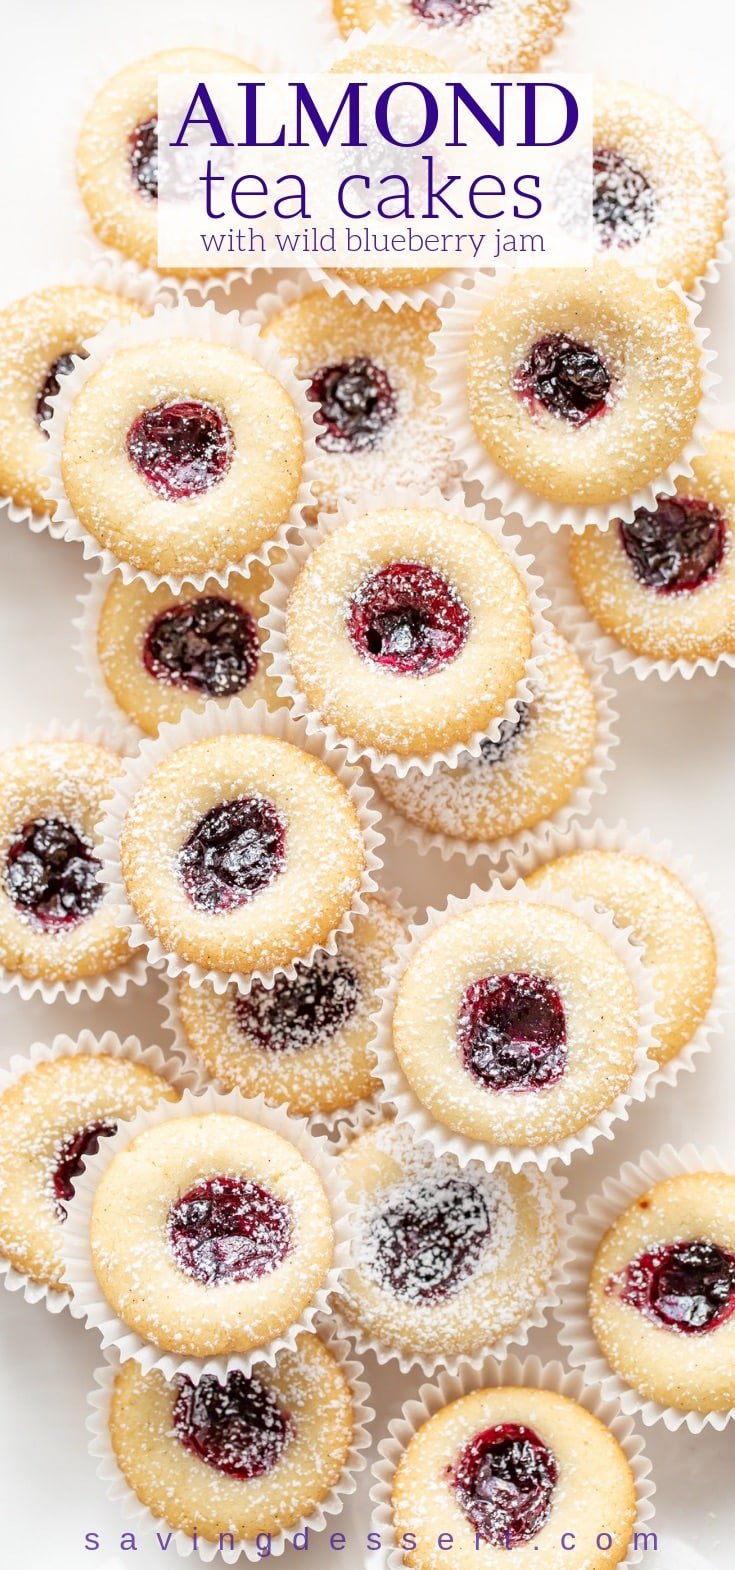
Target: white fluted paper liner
x=88, y=1302
x=118, y=1489
x=449, y=366
x=619, y=836
x=533, y=1374
x=236, y=719
x=118, y=724
x=132, y=971
x=400, y=1096
x=563, y=614
x=274, y=622
x=705, y=110
x=572, y=1315
x=184, y=320
x=176, y=1068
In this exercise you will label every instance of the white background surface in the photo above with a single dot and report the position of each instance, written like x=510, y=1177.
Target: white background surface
x=674, y=770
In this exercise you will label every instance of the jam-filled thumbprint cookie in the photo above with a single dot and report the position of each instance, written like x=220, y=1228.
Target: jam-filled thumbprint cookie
x=662, y=1293
x=162, y=652
x=40, y=338
x=54, y=924
x=210, y=1234
x=444, y=1260
x=182, y=456
x=240, y=852
x=507, y=35
x=376, y=407
x=409, y=630
x=51, y=1119
x=516, y=1023
x=513, y=1469
x=663, y=585
x=255, y=1453
x=305, y=1042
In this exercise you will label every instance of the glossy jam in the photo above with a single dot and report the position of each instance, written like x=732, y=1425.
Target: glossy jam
x=236, y=850
x=143, y=157
x=688, y=1287
x=209, y=645
x=408, y=618
x=505, y=1481
x=52, y=875
x=229, y=1229
x=510, y=730
x=52, y=382
x=239, y=1427
x=677, y=547
x=449, y=13
x=512, y=1032
x=70, y=1161
x=181, y=449
x=356, y=404
x=297, y=1013
x=566, y=378
x=427, y=1241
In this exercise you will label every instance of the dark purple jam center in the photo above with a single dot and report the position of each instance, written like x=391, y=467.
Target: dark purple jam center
x=143, y=157
x=512, y=1032
x=678, y=547
x=356, y=403
x=409, y=618
x=229, y=1229
x=441, y=13
x=181, y=449
x=71, y=1158
x=298, y=1013
x=428, y=1240
x=52, y=875
x=689, y=1287
x=623, y=204
x=52, y=383
x=510, y=730
x=237, y=1427
x=236, y=850
x=504, y=1480
x=565, y=377
x=209, y=645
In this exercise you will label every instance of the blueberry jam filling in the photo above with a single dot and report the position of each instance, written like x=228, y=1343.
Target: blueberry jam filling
x=229, y=1229
x=408, y=618
x=236, y=850
x=50, y=386
x=52, y=875
x=143, y=157
x=71, y=1158
x=181, y=449
x=239, y=1426
x=313, y=1006
x=209, y=645
x=428, y=1239
x=512, y=1032
x=504, y=1481
x=567, y=378
x=441, y=13
x=676, y=548
x=687, y=1287
x=510, y=730
x=623, y=204
x=356, y=403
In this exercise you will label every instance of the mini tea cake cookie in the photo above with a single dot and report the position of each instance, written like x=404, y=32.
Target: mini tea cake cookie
x=162, y=653
x=182, y=455
x=659, y=190
x=509, y=35
x=445, y=1260
x=117, y=151
x=51, y=1119
x=303, y=1043
x=516, y=1023
x=678, y=943
x=54, y=924
x=662, y=1293
x=377, y=409
x=254, y=1455
x=408, y=630
x=518, y=1469
x=583, y=386
x=240, y=852
x=40, y=337
x=210, y=1234
x=664, y=585
x=533, y=768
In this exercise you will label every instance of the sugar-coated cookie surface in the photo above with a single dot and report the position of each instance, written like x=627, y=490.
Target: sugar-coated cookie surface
x=508, y=35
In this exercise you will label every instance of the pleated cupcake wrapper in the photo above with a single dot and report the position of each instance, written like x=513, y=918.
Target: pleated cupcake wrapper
x=176, y=1068
x=274, y=622
x=318, y=1122
x=118, y=724
x=238, y=720
x=400, y=1095
x=88, y=1302
x=562, y=613
x=620, y=837
x=132, y=972
x=702, y=107
x=572, y=1315
x=449, y=368
x=184, y=320
x=119, y=1491
x=533, y=1374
